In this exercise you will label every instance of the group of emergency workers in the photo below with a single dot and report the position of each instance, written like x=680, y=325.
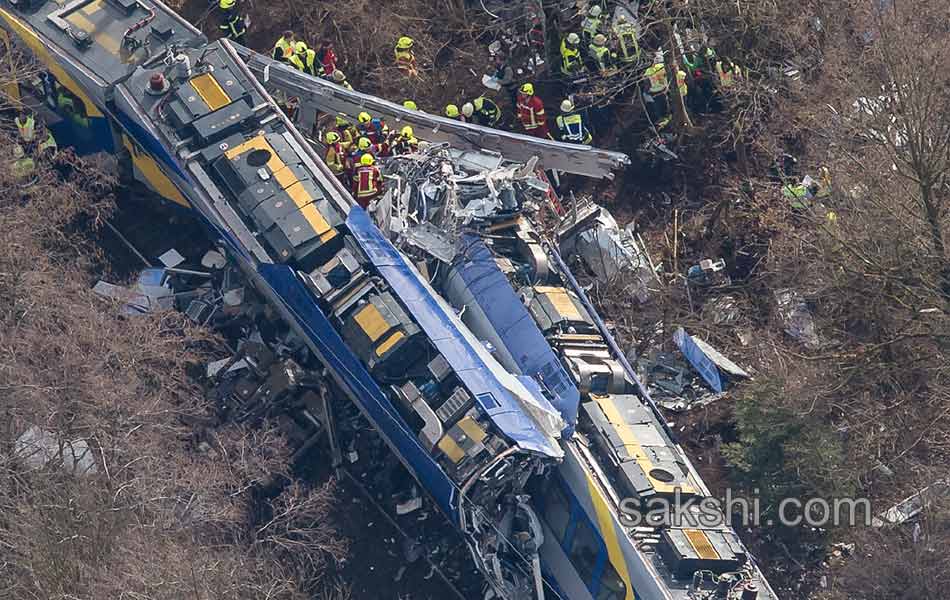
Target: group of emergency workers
x=608, y=45
x=34, y=141
x=318, y=63
x=600, y=44
x=354, y=149
x=595, y=44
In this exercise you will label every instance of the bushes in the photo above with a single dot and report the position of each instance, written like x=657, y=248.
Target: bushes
x=158, y=518
x=781, y=451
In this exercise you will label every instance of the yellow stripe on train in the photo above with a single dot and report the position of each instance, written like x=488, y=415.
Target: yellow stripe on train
x=605, y=523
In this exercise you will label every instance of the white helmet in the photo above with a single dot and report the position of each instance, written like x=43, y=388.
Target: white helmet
x=600, y=39
x=573, y=38
x=621, y=18
x=567, y=105
x=338, y=76
x=595, y=11
x=468, y=109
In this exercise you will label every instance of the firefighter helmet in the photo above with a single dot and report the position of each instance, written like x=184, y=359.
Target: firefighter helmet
x=527, y=89
x=332, y=137
x=468, y=109
x=364, y=117
x=367, y=160
x=410, y=105
x=363, y=143
x=567, y=105
x=404, y=43
x=451, y=111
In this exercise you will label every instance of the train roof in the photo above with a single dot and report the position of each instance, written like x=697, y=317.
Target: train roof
x=108, y=37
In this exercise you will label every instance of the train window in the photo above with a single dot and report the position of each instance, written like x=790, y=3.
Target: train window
x=612, y=586
x=585, y=551
x=557, y=510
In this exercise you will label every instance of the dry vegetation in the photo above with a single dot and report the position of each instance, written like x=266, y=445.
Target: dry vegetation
x=866, y=413
x=159, y=519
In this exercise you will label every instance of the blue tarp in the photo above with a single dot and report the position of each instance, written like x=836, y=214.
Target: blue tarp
x=345, y=365
x=514, y=325
x=706, y=368
x=434, y=318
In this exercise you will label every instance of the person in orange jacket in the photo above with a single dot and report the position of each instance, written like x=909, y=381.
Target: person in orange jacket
x=531, y=113
x=367, y=181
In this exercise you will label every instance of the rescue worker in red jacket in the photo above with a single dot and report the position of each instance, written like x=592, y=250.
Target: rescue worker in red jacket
x=327, y=57
x=371, y=127
x=367, y=181
x=362, y=146
x=531, y=113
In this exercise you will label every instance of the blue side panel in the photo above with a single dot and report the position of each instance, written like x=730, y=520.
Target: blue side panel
x=517, y=329
x=97, y=137
x=366, y=392
x=706, y=368
x=434, y=319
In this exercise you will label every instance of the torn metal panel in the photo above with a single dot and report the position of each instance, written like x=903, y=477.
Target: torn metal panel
x=152, y=292
x=913, y=505
x=318, y=95
x=39, y=447
x=428, y=238
x=719, y=360
x=590, y=232
x=172, y=258
x=797, y=318
x=704, y=366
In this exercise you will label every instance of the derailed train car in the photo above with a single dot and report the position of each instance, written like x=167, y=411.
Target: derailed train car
x=530, y=451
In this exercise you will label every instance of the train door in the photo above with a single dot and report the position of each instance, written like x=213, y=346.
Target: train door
x=581, y=554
